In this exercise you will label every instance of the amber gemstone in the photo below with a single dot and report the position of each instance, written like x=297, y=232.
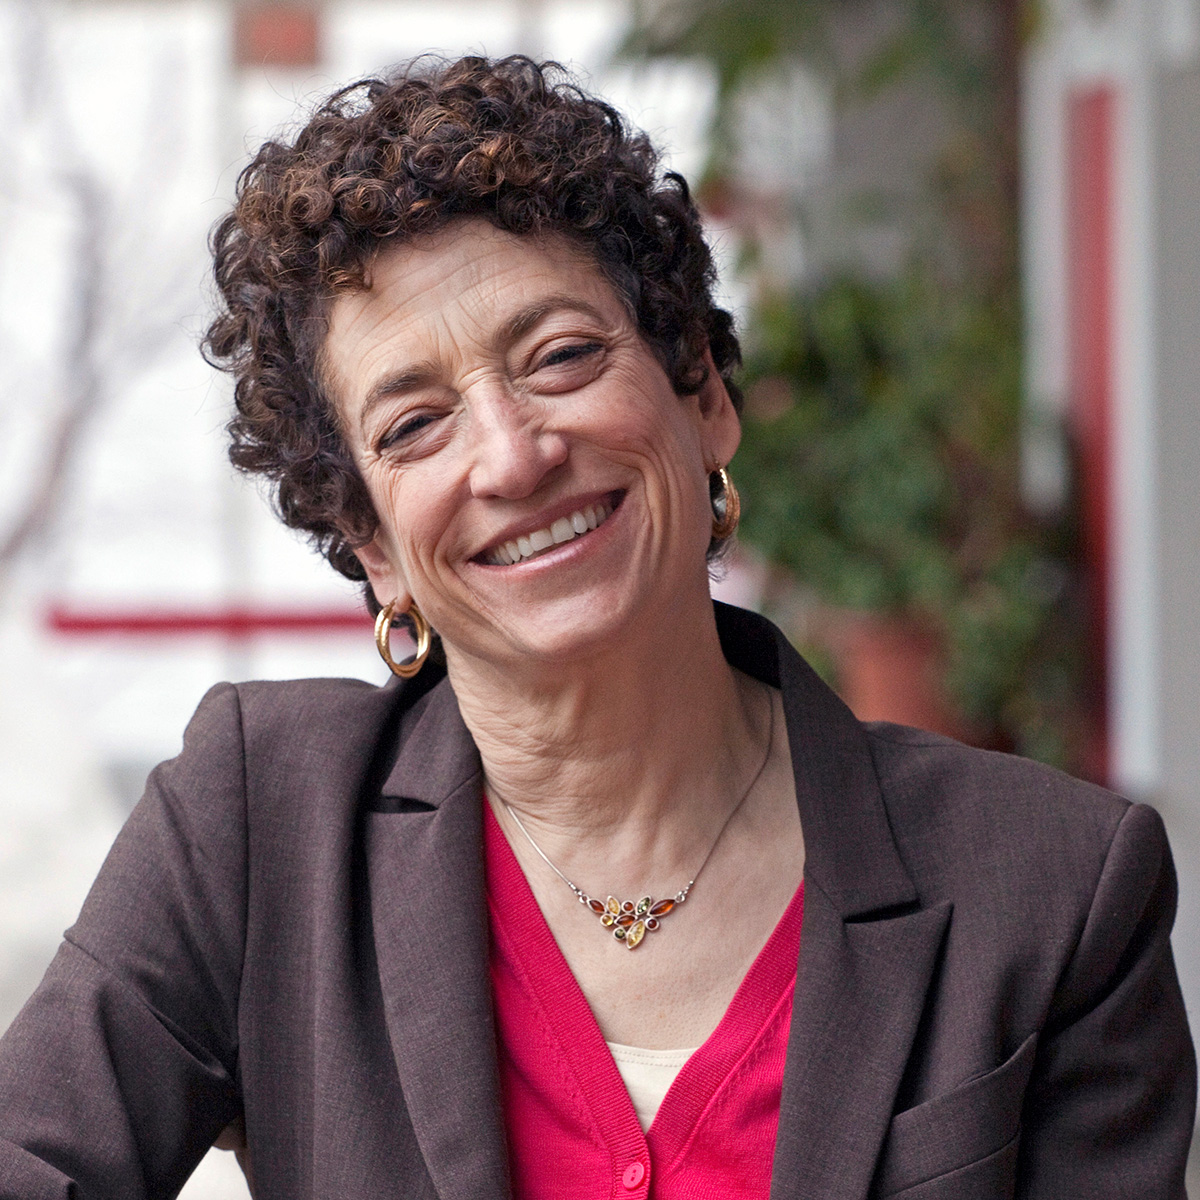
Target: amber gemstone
x=635, y=935
x=652, y=923
x=597, y=906
x=607, y=920
x=627, y=906
x=662, y=908
x=643, y=905
x=625, y=920
x=613, y=904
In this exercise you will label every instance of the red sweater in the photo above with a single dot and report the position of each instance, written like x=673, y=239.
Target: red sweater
x=572, y=1130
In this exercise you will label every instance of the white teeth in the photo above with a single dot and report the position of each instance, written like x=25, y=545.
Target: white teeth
x=564, y=529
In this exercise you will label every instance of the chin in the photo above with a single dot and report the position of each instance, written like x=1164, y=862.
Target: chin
x=560, y=638
x=573, y=628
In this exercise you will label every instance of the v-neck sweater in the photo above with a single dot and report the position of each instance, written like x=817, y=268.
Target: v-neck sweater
x=572, y=1130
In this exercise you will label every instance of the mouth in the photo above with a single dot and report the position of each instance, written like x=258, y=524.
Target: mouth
x=536, y=542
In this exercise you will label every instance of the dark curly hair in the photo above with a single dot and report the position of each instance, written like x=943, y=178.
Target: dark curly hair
x=509, y=140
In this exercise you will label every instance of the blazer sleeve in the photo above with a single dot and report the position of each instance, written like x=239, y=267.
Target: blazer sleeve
x=121, y=1069
x=1109, y=1108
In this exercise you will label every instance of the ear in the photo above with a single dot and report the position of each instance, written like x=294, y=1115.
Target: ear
x=385, y=579
x=720, y=425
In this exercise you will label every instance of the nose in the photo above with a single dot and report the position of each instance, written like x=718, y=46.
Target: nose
x=514, y=446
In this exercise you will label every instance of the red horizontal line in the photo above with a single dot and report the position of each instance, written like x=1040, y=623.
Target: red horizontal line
x=228, y=622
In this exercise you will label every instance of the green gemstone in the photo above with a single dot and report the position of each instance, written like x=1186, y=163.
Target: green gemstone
x=619, y=934
x=643, y=905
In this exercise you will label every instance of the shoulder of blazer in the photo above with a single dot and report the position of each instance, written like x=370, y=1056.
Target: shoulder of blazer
x=1029, y=858
x=307, y=741
x=958, y=811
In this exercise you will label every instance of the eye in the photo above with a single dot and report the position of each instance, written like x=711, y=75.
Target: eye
x=563, y=355
x=406, y=430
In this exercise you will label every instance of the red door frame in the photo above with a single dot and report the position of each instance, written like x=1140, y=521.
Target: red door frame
x=1091, y=228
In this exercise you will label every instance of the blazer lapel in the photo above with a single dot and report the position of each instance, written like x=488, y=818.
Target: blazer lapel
x=425, y=871
x=859, y=995
x=868, y=948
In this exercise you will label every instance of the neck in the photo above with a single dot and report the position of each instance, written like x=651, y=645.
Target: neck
x=637, y=754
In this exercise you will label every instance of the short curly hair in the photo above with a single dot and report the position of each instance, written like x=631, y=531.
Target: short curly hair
x=509, y=140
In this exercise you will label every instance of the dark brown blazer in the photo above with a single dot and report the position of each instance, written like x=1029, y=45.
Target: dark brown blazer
x=292, y=925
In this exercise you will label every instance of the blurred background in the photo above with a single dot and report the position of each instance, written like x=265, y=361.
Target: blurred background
x=962, y=238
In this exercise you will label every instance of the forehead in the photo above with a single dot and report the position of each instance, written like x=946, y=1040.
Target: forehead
x=443, y=293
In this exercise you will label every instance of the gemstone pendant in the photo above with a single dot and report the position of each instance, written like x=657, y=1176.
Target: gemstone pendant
x=630, y=921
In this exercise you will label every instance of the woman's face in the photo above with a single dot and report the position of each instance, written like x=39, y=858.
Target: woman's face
x=538, y=482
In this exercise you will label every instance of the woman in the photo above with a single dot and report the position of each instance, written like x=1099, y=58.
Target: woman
x=382, y=936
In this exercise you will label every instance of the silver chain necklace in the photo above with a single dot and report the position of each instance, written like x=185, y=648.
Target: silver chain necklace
x=631, y=920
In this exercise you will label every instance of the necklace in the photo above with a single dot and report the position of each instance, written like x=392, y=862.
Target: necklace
x=631, y=920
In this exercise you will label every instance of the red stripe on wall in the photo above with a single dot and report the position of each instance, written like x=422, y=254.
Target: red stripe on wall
x=230, y=622
x=1091, y=184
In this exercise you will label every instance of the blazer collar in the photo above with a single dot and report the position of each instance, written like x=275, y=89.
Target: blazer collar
x=424, y=839
x=868, y=950
x=437, y=753
x=849, y=849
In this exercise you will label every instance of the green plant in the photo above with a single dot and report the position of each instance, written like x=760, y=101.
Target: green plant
x=879, y=465
x=841, y=462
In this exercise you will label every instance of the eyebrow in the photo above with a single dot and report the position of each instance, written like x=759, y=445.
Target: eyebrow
x=527, y=318
x=397, y=384
x=422, y=374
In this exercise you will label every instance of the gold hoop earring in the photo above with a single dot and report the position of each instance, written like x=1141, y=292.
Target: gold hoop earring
x=383, y=639
x=727, y=507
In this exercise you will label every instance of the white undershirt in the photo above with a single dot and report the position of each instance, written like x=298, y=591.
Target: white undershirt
x=648, y=1075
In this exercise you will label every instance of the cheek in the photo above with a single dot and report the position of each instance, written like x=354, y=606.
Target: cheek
x=671, y=442
x=644, y=415
x=416, y=511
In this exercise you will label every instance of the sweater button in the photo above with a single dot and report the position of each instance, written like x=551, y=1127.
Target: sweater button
x=634, y=1174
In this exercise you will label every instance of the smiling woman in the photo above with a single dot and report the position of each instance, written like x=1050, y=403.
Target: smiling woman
x=395, y=941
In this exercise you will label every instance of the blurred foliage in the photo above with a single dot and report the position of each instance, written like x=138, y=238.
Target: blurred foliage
x=880, y=461
x=879, y=464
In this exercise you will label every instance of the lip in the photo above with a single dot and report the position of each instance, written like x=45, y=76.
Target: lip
x=543, y=520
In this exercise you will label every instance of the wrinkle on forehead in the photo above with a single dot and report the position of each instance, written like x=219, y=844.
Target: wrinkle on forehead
x=470, y=283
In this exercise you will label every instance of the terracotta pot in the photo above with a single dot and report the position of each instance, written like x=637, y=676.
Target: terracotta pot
x=890, y=669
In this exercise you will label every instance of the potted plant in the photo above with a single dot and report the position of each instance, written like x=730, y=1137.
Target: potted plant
x=879, y=466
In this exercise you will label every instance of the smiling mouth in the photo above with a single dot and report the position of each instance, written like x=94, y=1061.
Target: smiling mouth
x=537, y=542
